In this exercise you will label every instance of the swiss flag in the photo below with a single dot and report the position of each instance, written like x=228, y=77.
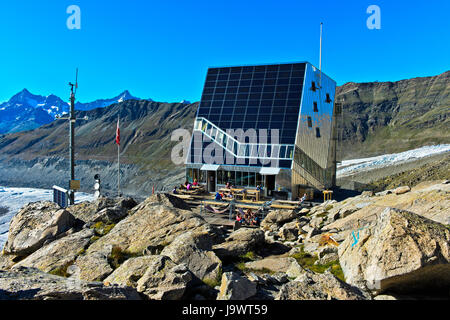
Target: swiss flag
x=118, y=133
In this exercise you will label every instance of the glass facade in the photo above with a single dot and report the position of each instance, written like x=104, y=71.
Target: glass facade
x=237, y=178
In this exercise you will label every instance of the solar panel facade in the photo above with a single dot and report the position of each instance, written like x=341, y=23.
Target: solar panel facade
x=254, y=97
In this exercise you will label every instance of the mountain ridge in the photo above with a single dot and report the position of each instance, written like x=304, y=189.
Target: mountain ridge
x=26, y=111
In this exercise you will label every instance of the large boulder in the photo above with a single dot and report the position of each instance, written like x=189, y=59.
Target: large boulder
x=240, y=242
x=276, y=218
x=290, y=231
x=400, y=252
x=236, y=287
x=154, y=223
x=313, y=286
x=194, y=249
x=32, y=284
x=164, y=280
x=130, y=271
x=276, y=264
x=107, y=210
x=94, y=265
x=35, y=224
x=59, y=254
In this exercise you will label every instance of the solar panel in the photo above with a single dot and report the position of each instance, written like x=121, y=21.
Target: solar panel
x=259, y=97
x=60, y=196
x=254, y=97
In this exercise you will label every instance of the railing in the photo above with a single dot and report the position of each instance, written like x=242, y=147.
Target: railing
x=242, y=149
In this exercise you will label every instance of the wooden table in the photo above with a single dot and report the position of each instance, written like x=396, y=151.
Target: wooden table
x=254, y=192
x=327, y=194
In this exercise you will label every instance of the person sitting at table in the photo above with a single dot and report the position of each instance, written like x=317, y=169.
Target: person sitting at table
x=248, y=215
x=255, y=220
x=174, y=191
x=303, y=198
x=195, y=182
x=188, y=186
x=238, y=222
x=218, y=196
x=259, y=188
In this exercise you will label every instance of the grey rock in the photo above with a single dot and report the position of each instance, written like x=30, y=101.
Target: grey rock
x=289, y=231
x=272, y=264
x=59, y=253
x=193, y=249
x=34, y=224
x=154, y=223
x=130, y=271
x=94, y=266
x=235, y=287
x=107, y=210
x=32, y=284
x=312, y=286
x=402, y=252
x=295, y=270
x=240, y=242
x=164, y=280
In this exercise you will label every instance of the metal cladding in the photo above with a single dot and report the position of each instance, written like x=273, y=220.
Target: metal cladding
x=277, y=116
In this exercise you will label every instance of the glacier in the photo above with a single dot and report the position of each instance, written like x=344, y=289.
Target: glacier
x=348, y=167
x=13, y=199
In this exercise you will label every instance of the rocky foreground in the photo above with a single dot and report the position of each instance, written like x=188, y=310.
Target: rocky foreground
x=390, y=245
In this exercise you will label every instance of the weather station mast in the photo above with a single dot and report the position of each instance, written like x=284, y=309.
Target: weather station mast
x=73, y=184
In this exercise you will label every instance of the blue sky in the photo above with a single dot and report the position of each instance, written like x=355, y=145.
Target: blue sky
x=162, y=49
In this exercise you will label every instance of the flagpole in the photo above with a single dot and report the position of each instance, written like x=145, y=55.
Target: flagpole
x=118, y=162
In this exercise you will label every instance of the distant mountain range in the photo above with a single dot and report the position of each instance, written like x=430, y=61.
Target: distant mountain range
x=27, y=111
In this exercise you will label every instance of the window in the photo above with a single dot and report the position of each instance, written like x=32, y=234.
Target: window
x=338, y=108
x=289, y=152
x=313, y=86
x=238, y=181
x=309, y=122
x=259, y=179
x=317, y=133
x=220, y=176
x=282, y=151
x=244, y=179
x=251, y=179
x=328, y=100
x=316, y=108
x=202, y=176
x=230, y=177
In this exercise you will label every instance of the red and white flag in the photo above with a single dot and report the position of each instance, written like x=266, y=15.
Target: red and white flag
x=118, y=133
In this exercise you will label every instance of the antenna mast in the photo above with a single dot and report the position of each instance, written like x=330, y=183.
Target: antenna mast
x=320, y=56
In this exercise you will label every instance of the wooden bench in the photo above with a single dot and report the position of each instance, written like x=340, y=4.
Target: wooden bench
x=183, y=196
x=282, y=206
